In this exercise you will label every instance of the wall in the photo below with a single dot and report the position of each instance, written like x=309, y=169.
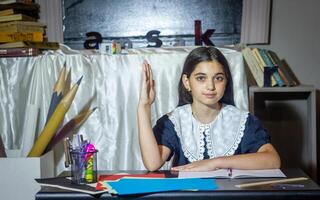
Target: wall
x=295, y=32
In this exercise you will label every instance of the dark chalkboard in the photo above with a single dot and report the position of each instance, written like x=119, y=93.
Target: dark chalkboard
x=134, y=18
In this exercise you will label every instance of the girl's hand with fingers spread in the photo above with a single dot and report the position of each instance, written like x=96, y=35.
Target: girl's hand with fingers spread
x=147, y=93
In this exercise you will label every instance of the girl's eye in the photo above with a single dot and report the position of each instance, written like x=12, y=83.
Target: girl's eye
x=220, y=78
x=200, y=78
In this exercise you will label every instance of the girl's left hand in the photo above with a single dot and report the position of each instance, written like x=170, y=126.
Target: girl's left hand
x=201, y=165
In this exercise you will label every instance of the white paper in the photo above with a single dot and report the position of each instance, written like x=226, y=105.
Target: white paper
x=236, y=173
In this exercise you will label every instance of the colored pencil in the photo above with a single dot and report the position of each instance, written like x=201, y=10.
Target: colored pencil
x=51, y=127
x=57, y=93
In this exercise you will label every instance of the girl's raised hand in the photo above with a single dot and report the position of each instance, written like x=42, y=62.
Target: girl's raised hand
x=147, y=93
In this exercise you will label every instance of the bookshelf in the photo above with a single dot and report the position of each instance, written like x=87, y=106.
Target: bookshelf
x=289, y=114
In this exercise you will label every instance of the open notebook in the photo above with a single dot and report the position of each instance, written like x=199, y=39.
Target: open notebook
x=234, y=173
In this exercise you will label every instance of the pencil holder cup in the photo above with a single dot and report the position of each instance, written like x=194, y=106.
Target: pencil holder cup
x=83, y=166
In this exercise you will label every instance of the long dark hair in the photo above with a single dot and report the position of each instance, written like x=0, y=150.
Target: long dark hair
x=203, y=54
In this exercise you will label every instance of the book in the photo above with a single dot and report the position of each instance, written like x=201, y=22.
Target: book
x=269, y=63
x=19, y=52
x=253, y=66
x=39, y=45
x=66, y=183
x=15, y=17
x=25, y=23
x=262, y=65
x=11, y=11
x=14, y=1
x=6, y=12
x=284, y=67
x=22, y=29
x=17, y=36
x=33, y=7
x=129, y=186
x=281, y=73
x=250, y=78
x=234, y=173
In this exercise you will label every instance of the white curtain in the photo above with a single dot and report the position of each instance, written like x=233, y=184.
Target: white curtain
x=26, y=86
x=255, y=24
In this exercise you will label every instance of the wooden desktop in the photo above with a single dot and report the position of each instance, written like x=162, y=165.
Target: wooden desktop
x=226, y=190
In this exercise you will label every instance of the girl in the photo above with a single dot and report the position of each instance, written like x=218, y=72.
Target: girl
x=206, y=131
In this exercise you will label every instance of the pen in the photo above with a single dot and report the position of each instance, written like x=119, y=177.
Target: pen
x=230, y=172
x=66, y=152
x=288, y=186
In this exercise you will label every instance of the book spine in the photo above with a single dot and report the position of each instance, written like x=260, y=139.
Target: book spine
x=43, y=45
x=282, y=75
x=6, y=12
x=285, y=65
x=16, y=37
x=22, y=29
x=268, y=63
x=262, y=64
x=278, y=62
x=14, y=1
x=256, y=71
x=16, y=52
x=16, y=17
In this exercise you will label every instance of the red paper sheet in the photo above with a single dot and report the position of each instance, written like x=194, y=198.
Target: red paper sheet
x=114, y=177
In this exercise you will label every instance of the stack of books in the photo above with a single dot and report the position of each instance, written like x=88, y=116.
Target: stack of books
x=20, y=32
x=265, y=69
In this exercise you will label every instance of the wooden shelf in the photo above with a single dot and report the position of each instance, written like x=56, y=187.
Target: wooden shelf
x=289, y=114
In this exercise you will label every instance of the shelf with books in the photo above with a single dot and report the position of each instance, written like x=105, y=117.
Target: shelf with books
x=289, y=115
x=260, y=62
x=20, y=32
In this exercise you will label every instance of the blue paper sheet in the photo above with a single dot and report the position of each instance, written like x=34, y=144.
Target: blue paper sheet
x=126, y=186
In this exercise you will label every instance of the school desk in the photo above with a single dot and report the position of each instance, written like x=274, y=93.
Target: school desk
x=226, y=190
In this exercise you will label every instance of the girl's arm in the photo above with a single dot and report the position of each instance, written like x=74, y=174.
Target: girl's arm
x=265, y=158
x=153, y=155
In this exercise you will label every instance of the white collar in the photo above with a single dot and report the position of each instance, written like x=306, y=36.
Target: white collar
x=223, y=134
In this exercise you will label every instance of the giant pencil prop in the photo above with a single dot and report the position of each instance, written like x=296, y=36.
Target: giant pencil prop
x=72, y=126
x=53, y=124
x=57, y=93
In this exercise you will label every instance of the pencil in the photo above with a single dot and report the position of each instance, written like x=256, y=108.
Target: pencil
x=86, y=107
x=287, y=180
x=57, y=93
x=54, y=122
x=67, y=84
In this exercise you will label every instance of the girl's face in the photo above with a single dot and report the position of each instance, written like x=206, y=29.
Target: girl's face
x=207, y=83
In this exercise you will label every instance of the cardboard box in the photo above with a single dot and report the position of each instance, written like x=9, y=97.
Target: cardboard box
x=18, y=174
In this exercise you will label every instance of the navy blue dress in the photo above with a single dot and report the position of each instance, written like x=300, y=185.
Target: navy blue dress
x=253, y=138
